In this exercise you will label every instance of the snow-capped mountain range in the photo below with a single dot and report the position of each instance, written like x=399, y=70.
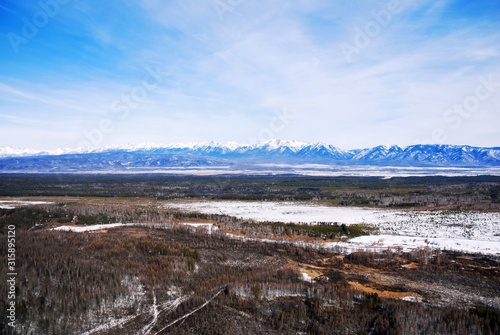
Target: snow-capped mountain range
x=232, y=155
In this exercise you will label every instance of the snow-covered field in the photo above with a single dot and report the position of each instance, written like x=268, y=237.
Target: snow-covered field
x=445, y=230
x=279, y=211
x=449, y=224
x=471, y=232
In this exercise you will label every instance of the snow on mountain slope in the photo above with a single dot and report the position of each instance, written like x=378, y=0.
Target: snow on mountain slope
x=147, y=156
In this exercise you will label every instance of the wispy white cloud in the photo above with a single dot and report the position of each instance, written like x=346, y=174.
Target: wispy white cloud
x=224, y=75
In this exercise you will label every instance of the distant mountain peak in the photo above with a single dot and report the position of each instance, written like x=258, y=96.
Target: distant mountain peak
x=146, y=156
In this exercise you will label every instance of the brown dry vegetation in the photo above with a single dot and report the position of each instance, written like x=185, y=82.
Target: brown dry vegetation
x=69, y=283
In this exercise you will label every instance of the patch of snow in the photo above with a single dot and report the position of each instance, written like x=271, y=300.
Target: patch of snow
x=113, y=323
x=209, y=226
x=80, y=229
x=378, y=243
x=411, y=299
x=11, y=204
x=154, y=311
x=269, y=292
x=408, y=243
x=306, y=277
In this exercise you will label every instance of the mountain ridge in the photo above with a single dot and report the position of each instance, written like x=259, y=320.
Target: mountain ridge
x=210, y=154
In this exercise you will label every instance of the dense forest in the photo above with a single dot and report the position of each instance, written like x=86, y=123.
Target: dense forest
x=481, y=192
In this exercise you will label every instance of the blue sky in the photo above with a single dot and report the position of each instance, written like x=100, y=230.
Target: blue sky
x=349, y=73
